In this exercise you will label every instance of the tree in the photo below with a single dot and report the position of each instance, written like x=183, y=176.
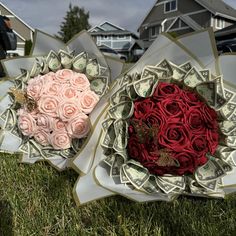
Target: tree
x=76, y=19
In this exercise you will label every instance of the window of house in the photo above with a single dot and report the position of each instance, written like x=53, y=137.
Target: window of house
x=154, y=31
x=219, y=23
x=171, y=6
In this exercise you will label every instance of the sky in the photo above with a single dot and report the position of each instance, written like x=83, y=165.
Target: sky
x=47, y=15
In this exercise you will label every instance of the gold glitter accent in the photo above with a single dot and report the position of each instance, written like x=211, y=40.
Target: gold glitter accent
x=22, y=98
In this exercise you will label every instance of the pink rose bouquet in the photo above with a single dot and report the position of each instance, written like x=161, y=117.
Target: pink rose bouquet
x=64, y=101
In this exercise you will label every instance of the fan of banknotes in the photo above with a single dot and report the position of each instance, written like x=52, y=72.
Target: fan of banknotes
x=23, y=127
x=191, y=65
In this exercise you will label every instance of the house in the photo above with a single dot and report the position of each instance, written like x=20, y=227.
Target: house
x=184, y=16
x=116, y=38
x=23, y=31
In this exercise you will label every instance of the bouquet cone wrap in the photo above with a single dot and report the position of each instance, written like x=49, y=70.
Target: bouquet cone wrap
x=49, y=56
x=190, y=62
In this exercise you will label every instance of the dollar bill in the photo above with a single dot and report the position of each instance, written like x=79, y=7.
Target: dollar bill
x=106, y=123
x=166, y=65
x=224, y=152
x=207, y=91
x=4, y=116
x=122, y=110
x=193, y=78
x=210, y=171
x=137, y=175
x=21, y=79
x=109, y=160
x=135, y=77
x=226, y=167
x=206, y=74
x=145, y=87
x=178, y=73
x=99, y=85
x=79, y=62
x=230, y=141
x=116, y=165
x=164, y=186
x=227, y=127
x=220, y=102
x=131, y=92
x=66, y=59
x=229, y=94
x=219, y=85
x=178, y=181
x=24, y=147
x=209, y=185
x=36, y=69
x=53, y=61
x=10, y=120
x=156, y=72
x=121, y=139
x=34, y=150
x=92, y=68
x=232, y=117
x=186, y=66
x=151, y=185
x=228, y=110
x=77, y=144
x=126, y=79
x=44, y=67
x=108, y=137
x=115, y=97
x=123, y=177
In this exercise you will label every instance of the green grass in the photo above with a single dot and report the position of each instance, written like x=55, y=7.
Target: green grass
x=37, y=200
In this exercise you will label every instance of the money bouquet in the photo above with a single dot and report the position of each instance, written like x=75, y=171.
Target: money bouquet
x=168, y=128
x=48, y=98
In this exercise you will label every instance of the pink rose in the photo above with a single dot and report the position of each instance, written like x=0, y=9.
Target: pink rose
x=35, y=87
x=80, y=82
x=68, y=109
x=58, y=125
x=64, y=75
x=42, y=137
x=49, y=76
x=87, y=101
x=60, y=140
x=69, y=92
x=44, y=121
x=26, y=124
x=79, y=126
x=52, y=88
x=48, y=105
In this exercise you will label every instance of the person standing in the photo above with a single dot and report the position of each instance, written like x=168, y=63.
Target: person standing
x=5, y=25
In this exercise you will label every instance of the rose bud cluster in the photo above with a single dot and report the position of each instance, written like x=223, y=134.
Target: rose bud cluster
x=64, y=100
x=187, y=130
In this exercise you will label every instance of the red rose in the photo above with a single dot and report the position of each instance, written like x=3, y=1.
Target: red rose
x=154, y=117
x=200, y=145
x=187, y=163
x=165, y=89
x=213, y=139
x=174, y=136
x=195, y=120
x=209, y=116
x=191, y=98
x=172, y=107
x=143, y=106
x=134, y=147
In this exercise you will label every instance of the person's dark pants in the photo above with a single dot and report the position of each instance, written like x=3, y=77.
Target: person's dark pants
x=2, y=56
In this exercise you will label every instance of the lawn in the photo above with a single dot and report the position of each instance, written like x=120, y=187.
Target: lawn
x=37, y=200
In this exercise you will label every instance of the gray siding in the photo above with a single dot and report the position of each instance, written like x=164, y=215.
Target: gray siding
x=203, y=19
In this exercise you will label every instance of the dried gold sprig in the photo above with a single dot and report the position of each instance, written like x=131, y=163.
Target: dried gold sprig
x=22, y=98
